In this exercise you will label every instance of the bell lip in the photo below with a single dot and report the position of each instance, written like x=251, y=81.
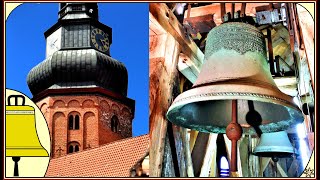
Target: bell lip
x=26, y=152
x=210, y=96
x=19, y=108
x=193, y=96
x=263, y=151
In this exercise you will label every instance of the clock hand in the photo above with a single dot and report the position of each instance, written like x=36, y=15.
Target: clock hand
x=103, y=42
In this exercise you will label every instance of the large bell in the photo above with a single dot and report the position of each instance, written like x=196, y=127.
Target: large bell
x=235, y=68
x=21, y=135
x=276, y=144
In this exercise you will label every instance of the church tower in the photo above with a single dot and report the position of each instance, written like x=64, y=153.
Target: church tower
x=79, y=88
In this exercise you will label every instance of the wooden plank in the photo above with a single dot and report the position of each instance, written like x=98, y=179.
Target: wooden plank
x=187, y=152
x=198, y=152
x=162, y=76
x=293, y=168
x=168, y=167
x=243, y=9
x=215, y=10
x=222, y=10
x=270, y=50
x=306, y=24
x=264, y=162
x=158, y=135
x=200, y=24
x=154, y=26
x=187, y=67
x=254, y=162
x=157, y=46
x=210, y=155
x=177, y=150
x=193, y=137
x=244, y=155
x=213, y=168
x=171, y=25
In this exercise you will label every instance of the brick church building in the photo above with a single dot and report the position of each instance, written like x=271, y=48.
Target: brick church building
x=82, y=92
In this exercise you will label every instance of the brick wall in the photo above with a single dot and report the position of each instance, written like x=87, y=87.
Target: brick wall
x=95, y=113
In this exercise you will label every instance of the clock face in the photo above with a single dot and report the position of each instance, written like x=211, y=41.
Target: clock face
x=100, y=40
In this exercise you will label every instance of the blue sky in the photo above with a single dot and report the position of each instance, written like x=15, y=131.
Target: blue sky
x=25, y=47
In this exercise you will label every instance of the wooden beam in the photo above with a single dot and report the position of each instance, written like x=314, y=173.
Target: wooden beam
x=293, y=168
x=162, y=74
x=154, y=26
x=306, y=24
x=187, y=152
x=171, y=25
x=193, y=137
x=264, y=162
x=187, y=67
x=232, y=10
x=198, y=152
x=244, y=155
x=177, y=150
x=215, y=10
x=270, y=50
x=243, y=10
x=222, y=10
x=167, y=165
x=210, y=155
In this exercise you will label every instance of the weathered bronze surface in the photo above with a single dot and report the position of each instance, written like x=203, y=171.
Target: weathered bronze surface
x=235, y=67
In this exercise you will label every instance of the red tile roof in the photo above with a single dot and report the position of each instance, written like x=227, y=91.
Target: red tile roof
x=111, y=160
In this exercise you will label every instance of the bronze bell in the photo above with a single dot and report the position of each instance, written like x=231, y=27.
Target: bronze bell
x=276, y=144
x=235, y=68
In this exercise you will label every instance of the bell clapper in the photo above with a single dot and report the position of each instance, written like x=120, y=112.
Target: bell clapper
x=234, y=133
x=275, y=160
x=16, y=169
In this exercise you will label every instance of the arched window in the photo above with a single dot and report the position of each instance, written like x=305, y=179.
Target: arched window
x=114, y=123
x=76, y=148
x=73, y=147
x=74, y=122
x=70, y=149
x=71, y=122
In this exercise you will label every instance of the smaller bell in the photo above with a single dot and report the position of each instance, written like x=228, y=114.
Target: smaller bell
x=276, y=144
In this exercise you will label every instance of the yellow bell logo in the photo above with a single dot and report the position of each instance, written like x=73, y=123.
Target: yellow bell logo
x=21, y=133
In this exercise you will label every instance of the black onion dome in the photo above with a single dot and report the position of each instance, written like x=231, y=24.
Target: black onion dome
x=78, y=69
